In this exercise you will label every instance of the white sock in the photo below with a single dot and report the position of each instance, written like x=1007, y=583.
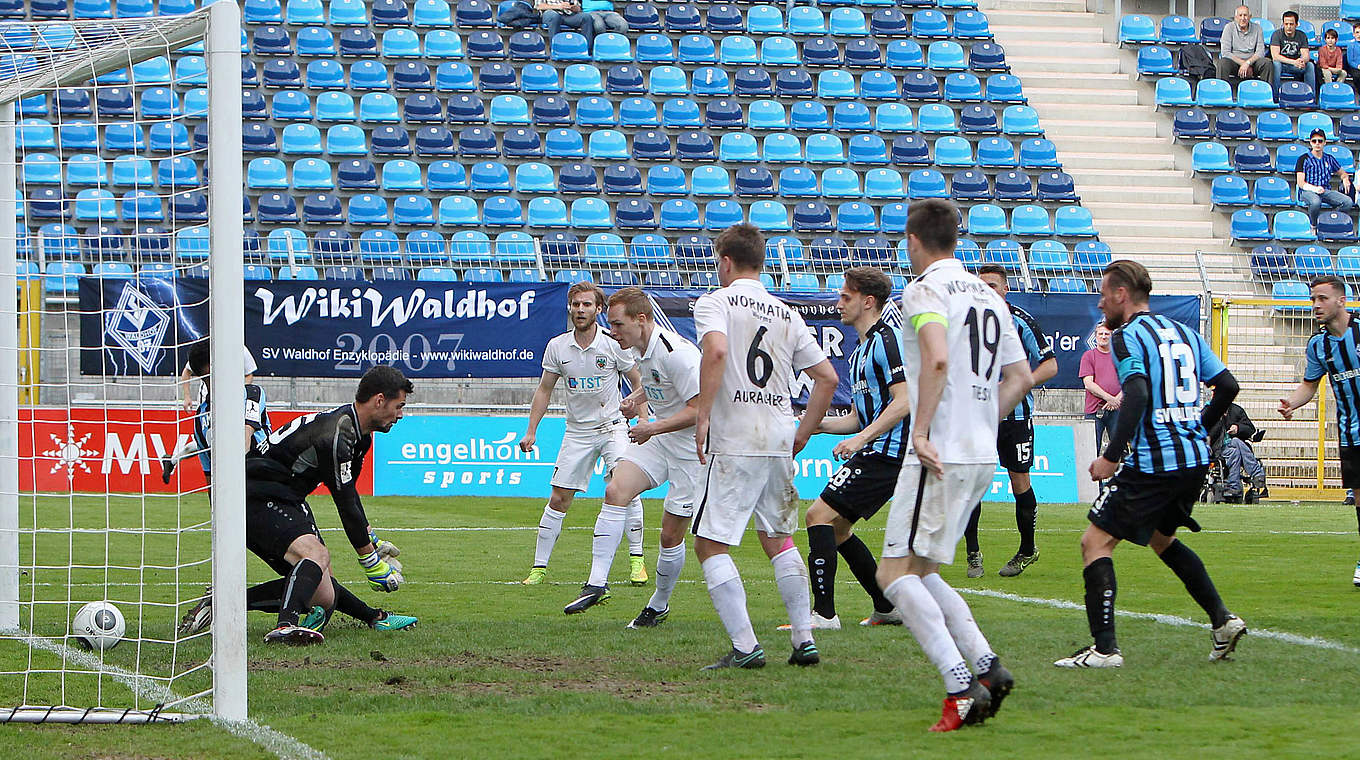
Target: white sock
x=635, y=526
x=669, y=562
x=608, y=533
x=791, y=575
x=729, y=599
x=549, y=528
x=924, y=619
x=958, y=618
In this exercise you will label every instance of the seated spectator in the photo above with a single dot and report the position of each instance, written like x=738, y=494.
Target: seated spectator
x=606, y=19
x=1289, y=51
x=1242, y=53
x=1232, y=438
x=518, y=14
x=566, y=13
x=1352, y=61
x=1332, y=59
x=1313, y=173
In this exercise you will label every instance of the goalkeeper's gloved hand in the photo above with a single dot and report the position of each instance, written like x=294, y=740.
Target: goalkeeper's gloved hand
x=381, y=575
x=385, y=549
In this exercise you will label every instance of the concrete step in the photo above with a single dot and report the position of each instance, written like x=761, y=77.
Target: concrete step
x=1085, y=112
x=1095, y=142
x=1188, y=212
x=1111, y=176
x=1073, y=52
x=1013, y=34
x=1159, y=195
x=1047, y=79
x=1075, y=160
x=1112, y=96
x=1037, y=61
x=1180, y=227
x=1111, y=128
x=1012, y=14
x=1180, y=248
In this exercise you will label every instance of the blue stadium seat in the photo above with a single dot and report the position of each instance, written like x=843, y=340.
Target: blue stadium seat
x=1307, y=122
x=764, y=19
x=1178, y=30
x=432, y=14
x=968, y=186
x=793, y=83
x=841, y=183
x=809, y=116
x=856, y=216
x=988, y=57
x=1006, y=252
x=378, y=247
x=868, y=149
x=946, y=55
x=1291, y=226
x=413, y=210
x=1190, y=123
x=590, y=213
x=315, y=42
x=357, y=43
x=963, y=87
x=667, y=180
x=710, y=180
x=1136, y=28
x=888, y=22
x=1031, y=219
x=926, y=183
x=1049, y=257
x=325, y=75
x=534, y=177
x=738, y=147
x=652, y=145
x=1313, y=261
x=474, y=14
x=697, y=49
x=266, y=173
x=798, y=182
x=608, y=143
x=952, y=151
x=1155, y=60
x=390, y=13
x=782, y=148
x=642, y=17
x=548, y=213
x=1174, y=91
x=863, y=53
x=978, y=119
x=682, y=17
x=1090, y=257
x=1253, y=93
x=1287, y=157
x=1073, y=221
x=1250, y=224
x=275, y=208
x=1296, y=95
x=259, y=11
x=1272, y=192
x=1209, y=158
x=1230, y=190
x=806, y=21
x=812, y=216
x=272, y=41
x=770, y=216
x=971, y=25
x=679, y=214
x=987, y=219
x=502, y=211
x=695, y=146
x=1251, y=158
x=766, y=115
x=1334, y=227
x=469, y=247
x=1014, y=186
x=930, y=25
x=347, y=13
x=655, y=48
x=1211, y=30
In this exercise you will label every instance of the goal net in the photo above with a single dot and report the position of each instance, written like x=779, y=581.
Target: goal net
x=119, y=256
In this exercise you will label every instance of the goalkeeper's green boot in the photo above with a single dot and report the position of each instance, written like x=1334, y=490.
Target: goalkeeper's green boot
x=391, y=621
x=316, y=619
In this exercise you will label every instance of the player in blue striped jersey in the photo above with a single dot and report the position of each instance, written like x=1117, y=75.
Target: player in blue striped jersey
x=876, y=426
x=1015, y=437
x=1161, y=365
x=1334, y=352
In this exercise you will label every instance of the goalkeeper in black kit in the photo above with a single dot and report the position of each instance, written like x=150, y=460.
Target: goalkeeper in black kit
x=281, y=471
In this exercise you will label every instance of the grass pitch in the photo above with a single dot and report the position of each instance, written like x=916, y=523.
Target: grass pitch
x=495, y=670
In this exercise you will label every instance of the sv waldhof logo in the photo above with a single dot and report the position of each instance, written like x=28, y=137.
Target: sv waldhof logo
x=137, y=325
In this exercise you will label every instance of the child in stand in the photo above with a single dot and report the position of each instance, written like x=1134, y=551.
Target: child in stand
x=1331, y=59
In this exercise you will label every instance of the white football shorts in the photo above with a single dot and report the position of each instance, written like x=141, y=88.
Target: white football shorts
x=581, y=448
x=736, y=488
x=929, y=514
x=670, y=457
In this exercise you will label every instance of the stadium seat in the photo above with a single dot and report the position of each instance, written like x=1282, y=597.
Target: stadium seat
x=1136, y=28
x=1272, y=192
x=1275, y=126
x=1251, y=158
x=1174, y=91
x=1297, y=95
x=1049, y=257
x=1307, y=122
x=841, y=183
x=1178, y=30
x=946, y=55
x=1209, y=158
x=1333, y=227
x=1230, y=190
x=590, y=213
x=987, y=219
x=1014, y=186
x=1090, y=257
x=1250, y=224
x=1004, y=88
x=987, y=56
x=1007, y=253
x=1287, y=157
x=432, y=14
x=995, y=152
x=1031, y=219
x=926, y=183
x=798, y=182
x=1233, y=124
x=642, y=17
x=1155, y=60
x=952, y=151
x=1073, y=221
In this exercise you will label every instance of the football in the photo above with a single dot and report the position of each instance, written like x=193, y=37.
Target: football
x=99, y=626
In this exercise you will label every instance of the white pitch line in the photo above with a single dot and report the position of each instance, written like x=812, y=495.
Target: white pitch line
x=858, y=529
x=281, y=744
x=1173, y=620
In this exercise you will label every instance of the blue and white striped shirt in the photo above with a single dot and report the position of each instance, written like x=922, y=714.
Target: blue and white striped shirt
x=1038, y=349
x=1338, y=357
x=876, y=366
x=1317, y=171
x=1176, y=360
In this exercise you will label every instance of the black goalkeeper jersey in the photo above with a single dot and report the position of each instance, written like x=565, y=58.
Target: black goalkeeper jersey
x=321, y=448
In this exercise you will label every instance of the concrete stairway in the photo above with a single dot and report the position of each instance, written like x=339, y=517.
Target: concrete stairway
x=1111, y=140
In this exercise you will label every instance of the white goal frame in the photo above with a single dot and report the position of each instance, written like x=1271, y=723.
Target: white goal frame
x=218, y=26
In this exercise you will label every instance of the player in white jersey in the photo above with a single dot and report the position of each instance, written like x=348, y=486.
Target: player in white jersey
x=966, y=369
x=661, y=451
x=592, y=363
x=746, y=434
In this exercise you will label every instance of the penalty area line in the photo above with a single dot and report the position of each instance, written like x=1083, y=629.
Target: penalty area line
x=1172, y=620
x=281, y=744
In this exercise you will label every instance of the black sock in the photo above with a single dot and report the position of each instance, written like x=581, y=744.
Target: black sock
x=265, y=597
x=1100, y=593
x=970, y=536
x=861, y=562
x=1188, y=567
x=1357, y=517
x=349, y=604
x=1026, y=515
x=822, y=569
x=297, y=595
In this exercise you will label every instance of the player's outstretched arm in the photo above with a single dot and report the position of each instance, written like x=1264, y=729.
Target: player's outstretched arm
x=824, y=381
x=1136, y=391
x=842, y=424
x=1304, y=393
x=539, y=407
x=1016, y=381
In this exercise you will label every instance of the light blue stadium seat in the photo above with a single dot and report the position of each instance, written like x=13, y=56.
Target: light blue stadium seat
x=1312, y=120
x=848, y=22
x=442, y=44
x=987, y=219
x=347, y=13
x=470, y=247
x=1292, y=226
x=929, y=25
x=1287, y=157
x=1209, y=158
x=303, y=272
x=655, y=48
x=904, y=54
x=770, y=216
x=325, y=74
x=432, y=14
x=1230, y=190
x=266, y=173
x=413, y=210
x=1174, y=91
x=315, y=42
x=379, y=108
x=1020, y=120
x=963, y=87
x=1155, y=60
x=1273, y=192
x=1136, y=28
x=1313, y=261
x=1067, y=285
x=971, y=25
x=738, y=147
x=719, y=215
x=697, y=49
x=936, y=119
x=1333, y=96
x=590, y=213
x=779, y=51
x=95, y=205
x=996, y=152
x=1343, y=156
x=945, y=55
x=1073, y=221
x=335, y=107
x=1048, y=257
x=548, y=213
x=841, y=183
x=1250, y=224
x=1006, y=252
x=806, y=21
x=764, y=19
x=1030, y=219
x=1291, y=290
x=400, y=43
x=1253, y=93
x=1275, y=125
x=954, y=152
x=304, y=12
x=312, y=174
x=735, y=50
x=459, y=211
x=710, y=180
x=1178, y=30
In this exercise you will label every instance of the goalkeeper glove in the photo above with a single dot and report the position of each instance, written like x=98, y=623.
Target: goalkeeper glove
x=381, y=575
x=385, y=549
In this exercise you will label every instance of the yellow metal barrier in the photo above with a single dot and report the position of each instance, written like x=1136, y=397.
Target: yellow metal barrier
x=30, y=340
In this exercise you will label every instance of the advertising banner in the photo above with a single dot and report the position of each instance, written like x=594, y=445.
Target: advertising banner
x=480, y=456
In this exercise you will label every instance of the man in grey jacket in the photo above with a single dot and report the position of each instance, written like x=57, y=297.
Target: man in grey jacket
x=1242, y=54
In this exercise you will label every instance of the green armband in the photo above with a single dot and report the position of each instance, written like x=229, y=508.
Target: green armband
x=921, y=320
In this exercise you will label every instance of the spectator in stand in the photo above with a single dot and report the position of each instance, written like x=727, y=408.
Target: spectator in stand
x=1242, y=52
x=605, y=17
x=518, y=14
x=566, y=13
x=1103, y=391
x=1352, y=62
x=1289, y=51
x=1331, y=59
x=1313, y=174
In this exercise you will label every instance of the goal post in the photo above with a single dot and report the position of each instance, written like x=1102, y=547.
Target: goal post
x=83, y=517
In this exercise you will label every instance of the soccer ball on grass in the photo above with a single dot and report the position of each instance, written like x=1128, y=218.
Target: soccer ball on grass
x=99, y=626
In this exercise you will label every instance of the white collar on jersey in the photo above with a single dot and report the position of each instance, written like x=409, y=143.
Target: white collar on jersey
x=950, y=262
x=595, y=344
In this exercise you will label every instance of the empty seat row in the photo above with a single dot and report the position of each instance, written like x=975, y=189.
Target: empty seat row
x=95, y=204
x=90, y=170
x=61, y=9
x=1254, y=93
x=1273, y=261
x=1235, y=124
x=1251, y=225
